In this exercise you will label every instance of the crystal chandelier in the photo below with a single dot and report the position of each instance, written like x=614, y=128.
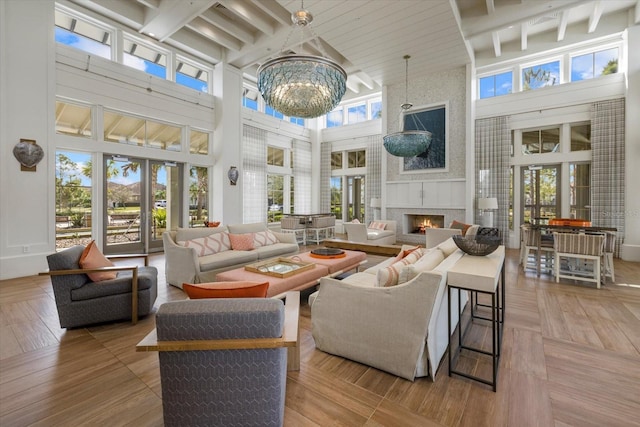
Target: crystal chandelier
x=408, y=143
x=303, y=86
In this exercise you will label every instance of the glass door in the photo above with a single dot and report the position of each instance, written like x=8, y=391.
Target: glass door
x=540, y=193
x=164, y=200
x=125, y=203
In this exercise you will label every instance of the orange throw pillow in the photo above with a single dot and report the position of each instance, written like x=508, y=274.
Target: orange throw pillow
x=92, y=258
x=460, y=225
x=242, y=242
x=226, y=290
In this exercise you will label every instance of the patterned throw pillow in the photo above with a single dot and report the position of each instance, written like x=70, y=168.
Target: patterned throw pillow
x=210, y=245
x=92, y=258
x=460, y=226
x=377, y=225
x=264, y=238
x=389, y=276
x=241, y=242
x=427, y=262
x=226, y=290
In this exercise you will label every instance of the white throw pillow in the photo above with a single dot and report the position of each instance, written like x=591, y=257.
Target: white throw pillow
x=210, y=245
x=427, y=262
x=377, y=225
x=264, y=238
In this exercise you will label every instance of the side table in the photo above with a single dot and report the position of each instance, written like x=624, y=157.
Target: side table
x=479, y=274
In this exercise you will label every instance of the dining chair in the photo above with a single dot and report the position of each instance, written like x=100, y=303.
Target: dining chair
x=586, y=249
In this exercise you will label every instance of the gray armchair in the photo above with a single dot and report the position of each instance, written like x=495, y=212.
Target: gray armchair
x=223, y=362
x=81, y=302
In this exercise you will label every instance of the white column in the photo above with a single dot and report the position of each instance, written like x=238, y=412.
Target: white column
x=27, y=110
x=630, y=250
x=226, y=200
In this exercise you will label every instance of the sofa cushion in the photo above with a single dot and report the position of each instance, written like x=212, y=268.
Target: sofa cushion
x=184, y=234
x=92, y=258
x=363, y=279
x=226, y=290
x=448, y=247
x=226, y=259
x=374, y=234
x=247, y=228
x=218, y=242
x=277, y=249
x=242, y=242
x=264, y=238
x=427, y=262
x=147, y=278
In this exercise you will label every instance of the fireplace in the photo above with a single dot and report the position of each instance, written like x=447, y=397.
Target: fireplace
x=417, y=224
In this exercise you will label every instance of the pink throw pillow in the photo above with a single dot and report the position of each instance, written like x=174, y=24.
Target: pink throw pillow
x=242, y=242
x=226, y=290
x=377, y=225
x=92, y=258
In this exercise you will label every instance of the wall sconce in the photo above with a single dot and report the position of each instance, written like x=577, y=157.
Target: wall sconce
x=233, y=174
x=28, y=153
x=486, y=206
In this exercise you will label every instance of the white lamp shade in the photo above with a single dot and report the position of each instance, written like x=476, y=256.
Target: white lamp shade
x=486, y=203
x=375, y=202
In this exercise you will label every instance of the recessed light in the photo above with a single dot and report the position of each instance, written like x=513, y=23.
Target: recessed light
x=152, y=35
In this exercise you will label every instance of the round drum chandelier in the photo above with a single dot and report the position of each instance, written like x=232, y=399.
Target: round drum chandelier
x=408, y=143
x=303, y=86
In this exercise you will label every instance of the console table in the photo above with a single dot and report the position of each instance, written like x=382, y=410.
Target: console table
x=479, y=274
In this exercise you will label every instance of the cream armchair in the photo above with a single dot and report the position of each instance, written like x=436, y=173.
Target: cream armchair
x=357, y=232
x=400, y=329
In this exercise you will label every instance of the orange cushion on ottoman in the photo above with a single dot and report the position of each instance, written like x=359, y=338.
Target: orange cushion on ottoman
x=226, y=290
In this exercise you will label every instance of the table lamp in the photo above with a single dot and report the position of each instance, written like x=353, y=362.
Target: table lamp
x=375, y=204
x=486, y=206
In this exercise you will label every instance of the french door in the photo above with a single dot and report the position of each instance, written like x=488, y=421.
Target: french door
x=540, y=193
x=141, y=197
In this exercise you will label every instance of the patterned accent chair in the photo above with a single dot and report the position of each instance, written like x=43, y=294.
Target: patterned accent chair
x=82, y=302
x=223, y=362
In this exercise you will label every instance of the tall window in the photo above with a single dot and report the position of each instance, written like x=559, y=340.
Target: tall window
x=594, y=64
x=496, y=85
x=73, y=198
x=581, y=137
x=537, y=76
x=198, y=196
x=580, y=190
x=275, y=197
x=336, y=196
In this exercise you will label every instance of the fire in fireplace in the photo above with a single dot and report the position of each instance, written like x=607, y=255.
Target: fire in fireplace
x=417, y=224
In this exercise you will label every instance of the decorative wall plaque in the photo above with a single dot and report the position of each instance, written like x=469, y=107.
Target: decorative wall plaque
x=28, y=153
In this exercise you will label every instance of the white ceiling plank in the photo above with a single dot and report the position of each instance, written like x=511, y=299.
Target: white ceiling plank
x=496, y=43
x=171, y=16
x=197, y=45
x=153, y=4
x=562, y=26
x=277, y=12
x=243, y=10
x=594, y=18
x=222, y=38
x=513, y=14
x=524, y=36
x=352, y=85
x=129, y=13
x=230, y=27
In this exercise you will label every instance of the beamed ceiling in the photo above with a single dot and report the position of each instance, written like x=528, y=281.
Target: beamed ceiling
x=369, y=37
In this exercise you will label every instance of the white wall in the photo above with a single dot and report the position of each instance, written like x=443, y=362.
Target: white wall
x=27, y=85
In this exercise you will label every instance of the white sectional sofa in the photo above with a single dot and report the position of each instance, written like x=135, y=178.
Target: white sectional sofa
x=400, y=329
x=196, y=255
x=361, y=233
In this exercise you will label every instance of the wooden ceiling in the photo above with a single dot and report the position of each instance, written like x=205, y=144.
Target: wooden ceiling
x=369, y=37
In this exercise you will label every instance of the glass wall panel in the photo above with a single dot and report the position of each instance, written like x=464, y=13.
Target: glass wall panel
x=275, y=197
x=123, y=129
x=541, y=75
x=83, y=35
x=73, y=199
x=336, y=196
x=144, y=58
x=541, y=141
x=275, y=156
x=336, y=160
x=581, y=137
x=356, y=159
x=198, y=142
x=580, y=190
x=198, y=196
x=163, y=136
x=73, y=119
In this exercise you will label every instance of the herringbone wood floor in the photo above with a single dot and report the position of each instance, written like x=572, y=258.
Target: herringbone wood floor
x=571, y=357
